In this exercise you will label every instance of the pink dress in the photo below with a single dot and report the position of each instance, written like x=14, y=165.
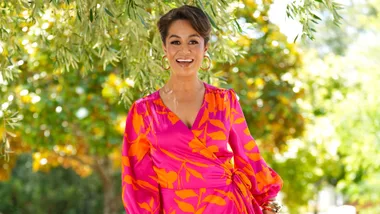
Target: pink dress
x=170, y=168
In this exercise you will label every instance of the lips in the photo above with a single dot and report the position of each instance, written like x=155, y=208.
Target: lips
x=184, y=62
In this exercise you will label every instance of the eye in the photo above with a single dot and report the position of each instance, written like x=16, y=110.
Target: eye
x=175, y=42
x=193, y=42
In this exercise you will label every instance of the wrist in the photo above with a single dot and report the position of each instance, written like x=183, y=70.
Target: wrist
x=271, y=206
x=268, y=212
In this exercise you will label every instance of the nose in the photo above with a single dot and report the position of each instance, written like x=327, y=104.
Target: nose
x=185, y=49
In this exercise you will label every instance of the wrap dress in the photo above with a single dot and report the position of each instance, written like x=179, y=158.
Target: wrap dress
x=213, y=167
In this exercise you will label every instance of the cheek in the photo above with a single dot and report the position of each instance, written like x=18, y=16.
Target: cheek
x=172, y=50
x=199, y=53
x=170, y=53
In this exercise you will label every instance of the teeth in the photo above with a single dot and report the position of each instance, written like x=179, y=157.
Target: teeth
x=184, y=60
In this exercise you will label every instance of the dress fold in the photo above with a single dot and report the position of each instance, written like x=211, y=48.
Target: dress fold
x=213, y=167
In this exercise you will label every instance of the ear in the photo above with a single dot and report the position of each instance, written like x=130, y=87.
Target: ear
x=206, y=48
x=164, y=48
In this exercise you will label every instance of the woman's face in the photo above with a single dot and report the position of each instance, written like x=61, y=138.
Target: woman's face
x=185, y=48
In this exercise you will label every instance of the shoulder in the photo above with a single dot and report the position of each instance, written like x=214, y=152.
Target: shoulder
x=215, y=88
x=141, y=104
x=224, y=92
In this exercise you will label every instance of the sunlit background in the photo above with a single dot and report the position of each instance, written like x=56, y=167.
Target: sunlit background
x=312, y=105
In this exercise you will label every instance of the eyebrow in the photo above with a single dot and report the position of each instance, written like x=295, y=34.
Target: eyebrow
x=176, y=36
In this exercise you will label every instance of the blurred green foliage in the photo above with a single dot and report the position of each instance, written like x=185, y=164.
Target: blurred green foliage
x=66, y=65
x=265, y=78
x=63, y=191
x=341, y=141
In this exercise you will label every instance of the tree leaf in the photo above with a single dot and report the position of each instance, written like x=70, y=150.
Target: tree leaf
x=295, y=39
x=316, y=17
x=91, y=15
x=109, y=12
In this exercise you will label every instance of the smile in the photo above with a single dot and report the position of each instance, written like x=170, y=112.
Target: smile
x=185, y=61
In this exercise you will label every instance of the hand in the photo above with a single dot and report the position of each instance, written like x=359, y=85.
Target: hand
x=268, y=212
x=272, y=200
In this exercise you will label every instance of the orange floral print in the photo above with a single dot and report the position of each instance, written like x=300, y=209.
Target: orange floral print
x=170, y=168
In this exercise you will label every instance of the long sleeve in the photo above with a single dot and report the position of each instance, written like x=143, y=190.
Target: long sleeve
x=265, y=182
x=140, y=191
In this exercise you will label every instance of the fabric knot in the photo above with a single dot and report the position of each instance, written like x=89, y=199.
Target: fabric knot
x=242, y=177
x=242, y=182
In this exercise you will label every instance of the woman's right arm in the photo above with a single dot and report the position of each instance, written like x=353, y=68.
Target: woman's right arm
x=140, y=192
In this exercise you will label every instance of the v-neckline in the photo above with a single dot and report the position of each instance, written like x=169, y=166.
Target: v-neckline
x=179, y=119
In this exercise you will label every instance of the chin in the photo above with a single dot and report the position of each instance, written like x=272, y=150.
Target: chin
x=185, y=72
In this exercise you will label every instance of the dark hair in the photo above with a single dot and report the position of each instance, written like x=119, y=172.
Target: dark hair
x=197, y=18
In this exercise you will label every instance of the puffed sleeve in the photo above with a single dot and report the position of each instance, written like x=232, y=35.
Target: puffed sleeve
x=140, y=192
x=265, y=182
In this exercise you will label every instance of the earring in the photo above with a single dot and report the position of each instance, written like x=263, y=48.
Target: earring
x=209, y=64
x=162, y=63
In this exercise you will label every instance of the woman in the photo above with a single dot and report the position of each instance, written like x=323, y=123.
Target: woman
x=176, y=156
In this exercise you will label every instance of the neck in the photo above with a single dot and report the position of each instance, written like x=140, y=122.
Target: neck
x=183, y=84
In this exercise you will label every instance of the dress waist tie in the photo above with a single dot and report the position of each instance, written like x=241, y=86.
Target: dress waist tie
x=240, y=179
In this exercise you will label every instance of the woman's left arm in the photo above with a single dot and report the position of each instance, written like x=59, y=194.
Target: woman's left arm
x=266, y=183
